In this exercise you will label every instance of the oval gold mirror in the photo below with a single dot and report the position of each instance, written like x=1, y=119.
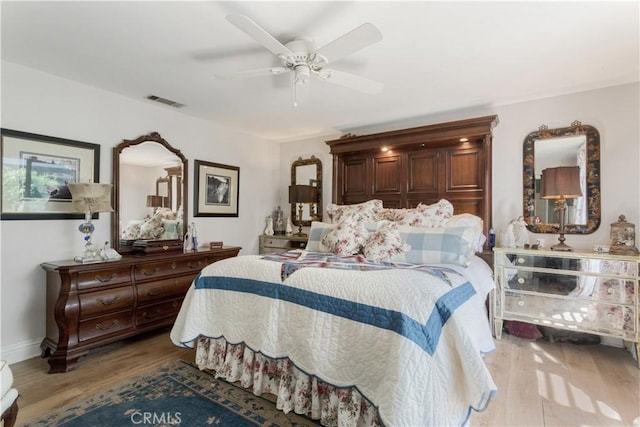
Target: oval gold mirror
x=574, y=146
x=306, y=173
x=150, y=198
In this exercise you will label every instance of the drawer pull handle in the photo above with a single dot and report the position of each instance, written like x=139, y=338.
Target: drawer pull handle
x=195, y=264
x=150, y=272
x=173, y=265
x=147, y=315
x=520, y=303
x=165, y=247
x=520, y=280
x=153, y=292
x=103, y=327
x=108, y=301
x=105, y=279
x=520, y=260
x=175, y=304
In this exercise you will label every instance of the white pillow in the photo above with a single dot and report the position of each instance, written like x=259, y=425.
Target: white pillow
x=469, y=220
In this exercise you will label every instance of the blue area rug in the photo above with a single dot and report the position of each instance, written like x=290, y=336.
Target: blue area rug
x=177, y=394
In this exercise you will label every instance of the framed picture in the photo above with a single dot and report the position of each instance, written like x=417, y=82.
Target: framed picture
x=216, y=189
x=36, y=170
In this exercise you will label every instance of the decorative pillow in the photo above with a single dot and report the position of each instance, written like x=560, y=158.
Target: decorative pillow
x=170, y=229
x=316, y=233
x=385, y=243
x=366, y=212
x=435, y=215
x=132, y=230
x=469, y=220
x=347, y=238
x=451, y=245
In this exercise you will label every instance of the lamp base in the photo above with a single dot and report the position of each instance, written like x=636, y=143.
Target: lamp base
x=561, y=247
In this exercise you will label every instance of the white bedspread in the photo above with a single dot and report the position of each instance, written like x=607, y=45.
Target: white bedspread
x=404, y=338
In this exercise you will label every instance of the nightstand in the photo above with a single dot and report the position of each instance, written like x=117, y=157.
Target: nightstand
x=590, y=292
x=276, y=244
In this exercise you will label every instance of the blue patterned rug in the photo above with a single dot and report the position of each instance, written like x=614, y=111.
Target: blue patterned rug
x=177, y=394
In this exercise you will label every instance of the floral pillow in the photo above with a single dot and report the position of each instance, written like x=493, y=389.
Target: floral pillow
x=347, y=238
x=435, y=215
x=385, y=243
x=366, y=212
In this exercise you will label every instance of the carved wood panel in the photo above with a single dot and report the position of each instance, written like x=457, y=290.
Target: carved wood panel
x=422, y=165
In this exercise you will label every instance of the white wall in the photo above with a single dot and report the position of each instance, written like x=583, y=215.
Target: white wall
x=614, y=111
x=41, y=103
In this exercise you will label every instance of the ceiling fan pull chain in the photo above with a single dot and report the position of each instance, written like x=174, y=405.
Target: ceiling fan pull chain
x=293, y=92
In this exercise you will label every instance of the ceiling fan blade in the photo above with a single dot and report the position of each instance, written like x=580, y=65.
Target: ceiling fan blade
x=260, y=35
x=252, y=73
x=350, y=42
x=351, y=81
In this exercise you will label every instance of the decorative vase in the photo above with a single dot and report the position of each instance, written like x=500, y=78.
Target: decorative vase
x=269, y=229
x=289, y=229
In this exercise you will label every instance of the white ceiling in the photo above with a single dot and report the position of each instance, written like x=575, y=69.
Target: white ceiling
x=434, y=57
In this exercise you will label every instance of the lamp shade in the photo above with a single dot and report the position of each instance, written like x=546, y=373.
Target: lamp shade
x=303, y=194
x=91, y=197
x=560, y=183
x=157, y=201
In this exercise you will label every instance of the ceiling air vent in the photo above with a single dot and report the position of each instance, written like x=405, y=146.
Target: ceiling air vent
x=165, y=101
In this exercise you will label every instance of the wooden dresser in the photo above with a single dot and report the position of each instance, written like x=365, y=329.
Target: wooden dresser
x=90, y=305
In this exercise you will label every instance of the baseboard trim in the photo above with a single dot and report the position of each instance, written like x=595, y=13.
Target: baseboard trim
x=14, y=353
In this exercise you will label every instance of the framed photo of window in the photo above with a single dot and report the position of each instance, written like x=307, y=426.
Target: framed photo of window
x=216, y=189
x=36, y=170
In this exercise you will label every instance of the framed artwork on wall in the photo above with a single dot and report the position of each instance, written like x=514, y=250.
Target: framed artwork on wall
x=216, y=189
x=36, y=170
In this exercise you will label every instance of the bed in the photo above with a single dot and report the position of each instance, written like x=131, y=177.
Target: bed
x=381, y=320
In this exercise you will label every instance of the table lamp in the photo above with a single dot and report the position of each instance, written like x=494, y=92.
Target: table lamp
x=559, y=184
x=301, y=194
x=90, y=198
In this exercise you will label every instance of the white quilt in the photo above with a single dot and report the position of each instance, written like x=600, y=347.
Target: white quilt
x=402, y=337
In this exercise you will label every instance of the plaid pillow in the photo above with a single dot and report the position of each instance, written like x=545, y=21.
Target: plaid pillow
x=450, y=245
x=316, y=234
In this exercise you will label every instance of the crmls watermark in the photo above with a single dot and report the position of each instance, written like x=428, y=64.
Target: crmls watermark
x=154, y=418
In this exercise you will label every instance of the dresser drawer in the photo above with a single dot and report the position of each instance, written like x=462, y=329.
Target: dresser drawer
x=571, y=313
x=89, y=279
x=100, y=326
x=155, y=312
x=161, y=289
x=150, y=271
x=283, y=244
x=100, y=302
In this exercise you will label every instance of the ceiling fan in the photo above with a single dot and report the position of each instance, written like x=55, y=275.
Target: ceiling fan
x=301, y=57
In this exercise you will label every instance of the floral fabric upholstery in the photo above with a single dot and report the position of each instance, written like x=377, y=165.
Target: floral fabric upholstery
x=151, y=227
x=435, y=215
x=295, y=391
x=347, y=238
x=366, y=212
x=385, y=243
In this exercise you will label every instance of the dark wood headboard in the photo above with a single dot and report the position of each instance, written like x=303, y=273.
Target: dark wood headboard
x=423, y=164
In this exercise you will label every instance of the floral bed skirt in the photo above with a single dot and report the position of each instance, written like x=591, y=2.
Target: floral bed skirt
x=295, y=390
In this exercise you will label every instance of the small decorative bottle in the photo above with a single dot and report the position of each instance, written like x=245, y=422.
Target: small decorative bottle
x=269, y=229
x=194, y=237
x=278, y=222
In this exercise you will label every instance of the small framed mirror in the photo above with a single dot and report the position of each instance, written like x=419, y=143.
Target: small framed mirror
x=149, y=181
x=307, y=172
x=574, y=146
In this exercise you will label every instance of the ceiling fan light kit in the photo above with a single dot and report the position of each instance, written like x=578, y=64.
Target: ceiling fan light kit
x=302, y=58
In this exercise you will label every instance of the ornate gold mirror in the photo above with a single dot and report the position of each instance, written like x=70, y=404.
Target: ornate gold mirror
x=306, y=172
x=150, y=182
x=577, y=145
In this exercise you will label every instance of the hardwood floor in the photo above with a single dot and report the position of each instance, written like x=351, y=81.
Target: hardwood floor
x=539, y=383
